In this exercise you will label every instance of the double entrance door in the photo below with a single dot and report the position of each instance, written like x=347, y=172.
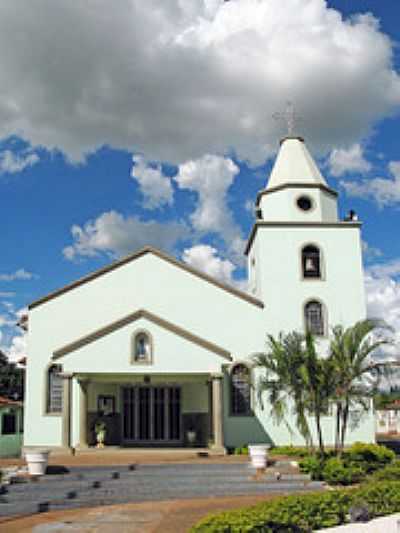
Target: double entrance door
x=151, y=415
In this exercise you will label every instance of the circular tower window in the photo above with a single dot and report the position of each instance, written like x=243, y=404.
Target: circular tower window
x=304, y=203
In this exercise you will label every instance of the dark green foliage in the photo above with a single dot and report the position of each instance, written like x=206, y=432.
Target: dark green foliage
x=351, y=467
x=370, y=457
x=337, y=472
x=312, y=465
x=304, y=513
x=390, y=472
x=11, y=379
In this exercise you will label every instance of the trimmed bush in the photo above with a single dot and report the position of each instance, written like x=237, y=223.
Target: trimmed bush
x=369, y=457
x=390, y=472
x=291, y=451
x=312, y=465
x=241, y=450
x=304, y=513
x=336, y=472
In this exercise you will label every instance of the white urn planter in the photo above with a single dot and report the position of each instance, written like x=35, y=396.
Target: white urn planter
x=37, y=462
x=258, y=455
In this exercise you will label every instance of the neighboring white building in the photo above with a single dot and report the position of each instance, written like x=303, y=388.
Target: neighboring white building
x=156, y=348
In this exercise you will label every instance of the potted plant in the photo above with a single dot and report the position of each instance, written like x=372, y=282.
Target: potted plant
x=191, y=435
x=100, y=431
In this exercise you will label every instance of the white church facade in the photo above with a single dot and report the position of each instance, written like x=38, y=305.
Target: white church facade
x=161, y=353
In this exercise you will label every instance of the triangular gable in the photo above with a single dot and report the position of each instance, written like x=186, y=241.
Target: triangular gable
x=141, y=313
x=165, y=257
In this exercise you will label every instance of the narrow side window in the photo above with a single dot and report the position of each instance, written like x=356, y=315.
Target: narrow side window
x=314, y=318
x=240, y=390
x=54, y=389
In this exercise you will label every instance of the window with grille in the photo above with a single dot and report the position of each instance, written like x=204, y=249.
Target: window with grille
x=314, y=318
x=240, y=390
x=55, y=389
x=311, y=262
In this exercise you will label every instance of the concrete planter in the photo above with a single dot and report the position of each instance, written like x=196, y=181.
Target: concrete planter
x=258, y=455
x=37, y=462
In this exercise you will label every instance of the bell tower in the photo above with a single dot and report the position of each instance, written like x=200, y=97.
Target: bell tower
x=303, y=261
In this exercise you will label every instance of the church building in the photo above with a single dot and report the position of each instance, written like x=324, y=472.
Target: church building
x=161, y=353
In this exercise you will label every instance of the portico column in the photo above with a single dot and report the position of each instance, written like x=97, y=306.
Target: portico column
x=83, y=408
x=66, y=411
x=217, y=412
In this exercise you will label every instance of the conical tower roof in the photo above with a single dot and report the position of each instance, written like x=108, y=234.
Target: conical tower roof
x=294, y=165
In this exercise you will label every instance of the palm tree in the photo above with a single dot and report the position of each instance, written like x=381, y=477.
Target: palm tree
x=293, y=372
x=283, y=381
x=357, y=373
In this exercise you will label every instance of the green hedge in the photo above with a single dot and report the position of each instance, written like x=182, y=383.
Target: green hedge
x=390, y=472
x=302, y=513
x=291, y=451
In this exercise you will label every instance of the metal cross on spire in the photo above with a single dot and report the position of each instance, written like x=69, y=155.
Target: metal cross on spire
x=289, y=116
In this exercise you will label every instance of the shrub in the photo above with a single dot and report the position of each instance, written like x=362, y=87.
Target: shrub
x=291, y=451
x=336, y=472
x=302, y=513
x=390, y=472
x=369, y=457
x=241, y=450
x=312, y=465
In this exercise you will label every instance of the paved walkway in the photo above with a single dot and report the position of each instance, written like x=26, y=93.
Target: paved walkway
x=161, y=517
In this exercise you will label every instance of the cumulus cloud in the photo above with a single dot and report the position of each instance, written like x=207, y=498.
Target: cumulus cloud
x=383, y=298
x=180, y=78
x=210, y=177
x=206, y=258
x=115, y=235
x=384, y=191
x=342, y=161
x=11, y=163
x=20, y=274
x=156, y=188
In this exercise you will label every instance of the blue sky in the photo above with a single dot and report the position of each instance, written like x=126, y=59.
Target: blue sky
x=188, y=90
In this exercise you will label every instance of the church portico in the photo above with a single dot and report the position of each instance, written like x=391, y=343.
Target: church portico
x=144, y=410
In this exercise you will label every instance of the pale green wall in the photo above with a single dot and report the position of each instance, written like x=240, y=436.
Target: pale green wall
x=10, y=445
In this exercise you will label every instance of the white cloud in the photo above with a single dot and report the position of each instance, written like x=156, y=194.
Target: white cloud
x=116, y=235
x=7, y=294
x=384, y=191
x=342, y=161
x=179, y=78
x=155, y=187
x=371, y=252
x=20, y=274
x=206, y=259
x=13, y=342
x=12, y=163
x=383, y=298
x=210, y=177
x=17, y=347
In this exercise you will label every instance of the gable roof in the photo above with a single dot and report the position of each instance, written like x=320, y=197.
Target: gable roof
x=127, y=259
x=128, y=319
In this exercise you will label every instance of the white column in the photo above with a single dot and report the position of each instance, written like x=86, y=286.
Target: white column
x=83, y=411
x=218, y=444
x=66, y=411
